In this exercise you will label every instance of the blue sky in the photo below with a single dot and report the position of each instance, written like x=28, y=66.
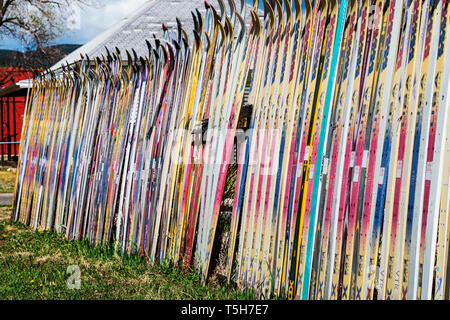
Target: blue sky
x=92, y=21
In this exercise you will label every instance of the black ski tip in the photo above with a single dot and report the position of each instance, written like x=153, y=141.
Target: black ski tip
x=195, y=21
x=176, y=44
x=157, y=41
x=200, y=19
x=129, y=58
x=142, y=60
x=185, y=42
x=149, y=45
x=136, y=67
x=156, y=54
x=179, y=28
x=107, y=51
x=197, y=37
x=134, y=55
x=215, y=14
x=108, y=55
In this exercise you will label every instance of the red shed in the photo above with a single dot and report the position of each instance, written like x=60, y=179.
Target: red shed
x=12, y=106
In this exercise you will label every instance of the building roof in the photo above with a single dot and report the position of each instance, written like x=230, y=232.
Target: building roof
x=133, y=30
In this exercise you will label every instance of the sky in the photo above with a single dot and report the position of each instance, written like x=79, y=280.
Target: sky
x=88, y=22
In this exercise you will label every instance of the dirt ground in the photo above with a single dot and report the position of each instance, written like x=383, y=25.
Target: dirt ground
x=7, y=179
x=5, y=213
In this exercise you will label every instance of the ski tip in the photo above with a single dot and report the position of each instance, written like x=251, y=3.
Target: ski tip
x=157, y=42
x=216, y=16
x=177, y=45
x=207, y=5
x=197, y=37
x=195, y=20
x=149, y=45
x=156, y=54
x=200, y=20
x=108, y=55
x=81, y=55
x=129, y=58
x=164, y=27
x=185, y=42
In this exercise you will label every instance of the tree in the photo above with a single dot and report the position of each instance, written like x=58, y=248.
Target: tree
x=36, y=22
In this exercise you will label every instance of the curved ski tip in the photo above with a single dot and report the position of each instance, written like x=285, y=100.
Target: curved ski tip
x=149, y=45
x=207, y=5
x=156, y=54
x=129, y=59
x=196, y=36
x=142, y=60
x=164, y=27
x=194, y=17
x=185, y=43
x=177, y=45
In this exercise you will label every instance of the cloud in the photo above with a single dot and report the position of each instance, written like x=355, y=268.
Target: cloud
x=109, y=14
x=95, y=20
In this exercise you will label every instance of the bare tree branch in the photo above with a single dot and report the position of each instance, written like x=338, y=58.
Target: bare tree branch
x=36, y=22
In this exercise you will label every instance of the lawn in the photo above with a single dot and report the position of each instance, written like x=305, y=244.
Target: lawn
x=35, y=265
x=7, y=179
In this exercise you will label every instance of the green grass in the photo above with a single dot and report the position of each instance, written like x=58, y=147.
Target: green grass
x=33, y=265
